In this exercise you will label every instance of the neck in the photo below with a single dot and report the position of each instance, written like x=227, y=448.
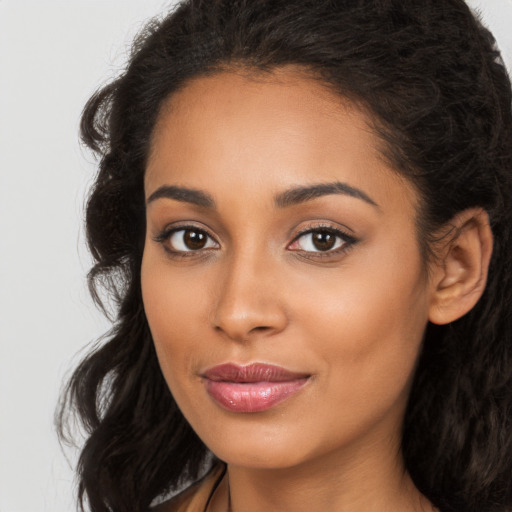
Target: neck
x=362, y=479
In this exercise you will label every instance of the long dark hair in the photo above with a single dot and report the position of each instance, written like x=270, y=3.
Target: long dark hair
x=431, y=78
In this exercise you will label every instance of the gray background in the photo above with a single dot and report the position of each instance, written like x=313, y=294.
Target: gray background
x=53, y=55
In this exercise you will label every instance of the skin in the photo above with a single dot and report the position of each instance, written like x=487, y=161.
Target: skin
x=352, y=318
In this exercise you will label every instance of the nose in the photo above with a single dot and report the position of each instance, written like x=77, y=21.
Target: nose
x=248, y=300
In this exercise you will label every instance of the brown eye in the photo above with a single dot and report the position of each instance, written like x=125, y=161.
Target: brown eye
x=323, y=240
x=195, y=240
x=188, y=240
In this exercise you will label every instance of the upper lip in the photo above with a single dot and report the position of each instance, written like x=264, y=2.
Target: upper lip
x=255, y=372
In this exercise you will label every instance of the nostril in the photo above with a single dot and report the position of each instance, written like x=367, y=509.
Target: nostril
x=260, y=328
x=240, y=331
x=240, y=316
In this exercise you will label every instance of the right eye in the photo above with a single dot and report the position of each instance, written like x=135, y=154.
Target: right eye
x=180, y=240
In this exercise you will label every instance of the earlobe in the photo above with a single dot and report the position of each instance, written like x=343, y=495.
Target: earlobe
x=460, y=273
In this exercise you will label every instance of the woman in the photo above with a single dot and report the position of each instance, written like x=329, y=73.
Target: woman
x=303, y=213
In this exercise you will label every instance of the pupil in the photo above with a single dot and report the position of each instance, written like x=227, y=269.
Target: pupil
x=323, y=240
x=194, y=239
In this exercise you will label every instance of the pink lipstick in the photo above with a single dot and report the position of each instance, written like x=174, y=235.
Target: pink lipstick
x=252, y=388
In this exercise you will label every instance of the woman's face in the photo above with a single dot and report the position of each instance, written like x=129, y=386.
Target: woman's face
x=277, y=235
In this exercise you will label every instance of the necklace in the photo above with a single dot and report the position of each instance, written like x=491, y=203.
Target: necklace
x=229, y=498
x=215, y=490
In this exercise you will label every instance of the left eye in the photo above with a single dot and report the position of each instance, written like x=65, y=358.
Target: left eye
x=319, y=240
x=186, y=240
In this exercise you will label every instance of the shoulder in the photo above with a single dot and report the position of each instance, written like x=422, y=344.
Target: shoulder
x=196, y=497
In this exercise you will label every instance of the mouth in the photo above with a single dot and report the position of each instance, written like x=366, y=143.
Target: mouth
x=252, y=388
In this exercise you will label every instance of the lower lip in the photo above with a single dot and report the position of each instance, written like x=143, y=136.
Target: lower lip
x=252, y=396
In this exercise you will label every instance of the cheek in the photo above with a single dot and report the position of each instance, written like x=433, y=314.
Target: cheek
x=368, y=325
x=177, y=304
x=171, y=317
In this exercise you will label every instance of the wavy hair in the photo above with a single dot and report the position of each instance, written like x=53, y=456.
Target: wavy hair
x=433, y=82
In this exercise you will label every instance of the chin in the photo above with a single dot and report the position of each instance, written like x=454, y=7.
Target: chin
x=258, y=448
x=258, y=458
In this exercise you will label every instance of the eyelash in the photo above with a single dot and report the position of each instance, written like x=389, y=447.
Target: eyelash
x=164, y=238
x=347, y=241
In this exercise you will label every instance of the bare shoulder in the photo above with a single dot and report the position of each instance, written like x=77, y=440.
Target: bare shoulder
x=195, y=497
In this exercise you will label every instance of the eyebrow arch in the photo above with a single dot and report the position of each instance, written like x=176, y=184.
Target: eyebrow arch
x=184, y=194
x=299, y=195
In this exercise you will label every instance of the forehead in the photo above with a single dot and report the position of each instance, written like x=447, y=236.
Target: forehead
x=267, y=132
x=258, y=106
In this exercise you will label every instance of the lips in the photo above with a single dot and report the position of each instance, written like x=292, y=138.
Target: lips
x=252, y=388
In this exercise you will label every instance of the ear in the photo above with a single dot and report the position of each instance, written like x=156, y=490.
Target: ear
x=459, y=274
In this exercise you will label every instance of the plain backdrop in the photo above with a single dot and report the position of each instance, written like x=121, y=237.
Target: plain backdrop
x=53, y=55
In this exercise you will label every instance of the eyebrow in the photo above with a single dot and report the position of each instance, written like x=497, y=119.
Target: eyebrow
x=299, y=195
x=184, y=194
x=290, y=197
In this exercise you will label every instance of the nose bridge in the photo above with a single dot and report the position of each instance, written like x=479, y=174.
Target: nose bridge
x=247, y=300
